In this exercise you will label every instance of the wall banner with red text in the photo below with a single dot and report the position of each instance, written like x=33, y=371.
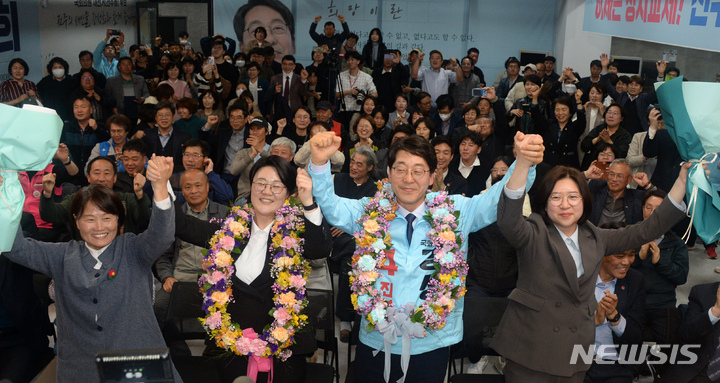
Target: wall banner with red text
x=689, y=23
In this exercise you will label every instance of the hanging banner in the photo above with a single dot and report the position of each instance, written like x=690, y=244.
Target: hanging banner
x=689, y=23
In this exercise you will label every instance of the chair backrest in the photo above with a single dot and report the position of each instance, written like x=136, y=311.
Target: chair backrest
x=184, y=309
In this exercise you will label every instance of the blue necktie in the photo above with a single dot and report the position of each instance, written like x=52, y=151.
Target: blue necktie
x=410, y=219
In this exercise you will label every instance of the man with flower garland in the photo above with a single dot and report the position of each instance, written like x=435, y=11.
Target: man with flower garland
x=408, y=233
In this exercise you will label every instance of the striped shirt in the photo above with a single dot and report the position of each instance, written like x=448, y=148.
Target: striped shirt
x=11, y=89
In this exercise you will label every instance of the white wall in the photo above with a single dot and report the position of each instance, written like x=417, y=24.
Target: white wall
x=66, y=27
x=574, y=47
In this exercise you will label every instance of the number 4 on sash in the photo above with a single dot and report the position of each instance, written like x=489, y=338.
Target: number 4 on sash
x=391, y=268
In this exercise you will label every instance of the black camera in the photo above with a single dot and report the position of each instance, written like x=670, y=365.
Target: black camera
x=360, y=96
x=654, y=106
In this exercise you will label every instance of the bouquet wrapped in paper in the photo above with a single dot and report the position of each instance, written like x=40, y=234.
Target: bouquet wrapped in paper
x=691, y=111
x=29, y=138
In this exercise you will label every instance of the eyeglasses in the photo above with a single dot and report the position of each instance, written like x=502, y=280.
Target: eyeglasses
x=192, y=155
x=259, y=186
x=497, y=170
x=275, y=29
x=603, y=154
x=556, y=199
x=417, y=174
x=616, y=176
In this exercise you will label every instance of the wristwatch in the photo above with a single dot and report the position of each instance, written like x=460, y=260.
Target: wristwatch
x=615, y=319
x=68, y=163
x=313, y=206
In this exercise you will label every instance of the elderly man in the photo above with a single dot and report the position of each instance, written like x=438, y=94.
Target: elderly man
x=183, y=261
x=196, y=155
x=612, y=200
x=285, y=148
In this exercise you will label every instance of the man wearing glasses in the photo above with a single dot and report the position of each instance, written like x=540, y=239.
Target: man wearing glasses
x=196, y=155
x=165, y=141
x=272, y=15
x=412, y=162
x=613, y=201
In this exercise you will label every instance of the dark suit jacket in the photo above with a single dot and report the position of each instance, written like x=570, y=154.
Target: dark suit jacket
x=668, y=159
x=641, y=103
x=697, y=329
x=631, y=298
x=115, y=89
x=264, y=89
x=219, y=141
x=254, y=301
x=561, y=146
x=172, y=149
x=165, y=265
x=298, y=90
x=632, y=201
x=551, y=310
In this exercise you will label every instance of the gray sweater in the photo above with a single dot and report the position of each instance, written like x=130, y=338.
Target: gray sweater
x=95, y=312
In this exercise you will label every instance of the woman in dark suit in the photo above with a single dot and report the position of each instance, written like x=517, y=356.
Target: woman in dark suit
x=559, y=252
x=273, y=181
x=374, y=50
x=561, y=135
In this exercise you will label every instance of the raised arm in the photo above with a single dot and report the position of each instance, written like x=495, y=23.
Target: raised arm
x=339, y=212
x=160, y=234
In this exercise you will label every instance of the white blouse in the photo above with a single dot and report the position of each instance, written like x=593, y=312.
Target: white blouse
x=251, y=261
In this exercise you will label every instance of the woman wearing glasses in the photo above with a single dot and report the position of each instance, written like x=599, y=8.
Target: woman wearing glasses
x=559, y=254
x=610, y=132
x=274, y=180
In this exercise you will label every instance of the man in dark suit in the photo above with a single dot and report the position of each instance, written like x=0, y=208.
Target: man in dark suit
x=164, y=140
x=183, y=261
x=620, y=292
x=230, y=138
x=287, y=89
x=701, y=326
x=612, y=200
x=468, y=165
x=127, y=105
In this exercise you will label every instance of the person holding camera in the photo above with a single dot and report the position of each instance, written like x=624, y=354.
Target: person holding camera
x=352, y=87
x=436, y=80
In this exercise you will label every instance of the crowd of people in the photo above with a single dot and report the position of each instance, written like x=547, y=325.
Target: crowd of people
x=569, y=193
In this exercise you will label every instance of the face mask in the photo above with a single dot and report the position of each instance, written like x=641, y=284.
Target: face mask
x=445, y=117
x=183, y=42
x=238, y=92
x=240, y=63
x=569, y=88
x=58, y=72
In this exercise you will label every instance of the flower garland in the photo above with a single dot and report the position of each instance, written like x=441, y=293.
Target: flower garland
x=289, y=269
x=374, y=244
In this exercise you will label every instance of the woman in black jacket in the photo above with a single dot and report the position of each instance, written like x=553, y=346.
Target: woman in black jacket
x=273, y=181
x=561, y=134
x=374, y=50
